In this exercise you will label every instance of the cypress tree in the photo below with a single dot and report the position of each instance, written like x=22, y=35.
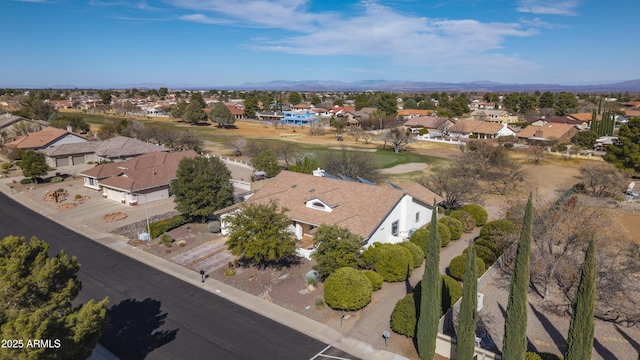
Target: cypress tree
x=427, y=328
x=468, y=316
x=580, y=338
x=514, y=343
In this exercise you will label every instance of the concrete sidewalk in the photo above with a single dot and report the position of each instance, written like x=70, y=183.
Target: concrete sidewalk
x=288, y=318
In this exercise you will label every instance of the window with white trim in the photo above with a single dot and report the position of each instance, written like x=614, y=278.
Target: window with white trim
x=394, y=228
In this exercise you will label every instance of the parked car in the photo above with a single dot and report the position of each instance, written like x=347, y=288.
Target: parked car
x=339, y=138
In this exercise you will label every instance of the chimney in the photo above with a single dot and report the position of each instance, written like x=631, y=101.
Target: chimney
x=69, y=128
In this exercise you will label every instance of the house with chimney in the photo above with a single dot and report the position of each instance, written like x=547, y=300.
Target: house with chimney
x=548, y=134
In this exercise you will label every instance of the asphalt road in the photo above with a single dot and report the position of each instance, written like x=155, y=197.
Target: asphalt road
x=155, y=316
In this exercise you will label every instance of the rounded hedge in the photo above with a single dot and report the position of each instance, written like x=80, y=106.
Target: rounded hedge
x=487, y=255
x=347, y=289
x=375, y=278
x=457, y=265
x=454, y=225
x=480, y=215
x=531, y=356
x=550, y=356
x=421, y=238
x=405, y=313
x=403, y=316
x=443, y=231
x=489, y=245
x=497, y=228
x=468, y=222
x=392, y=261
x=416, y=253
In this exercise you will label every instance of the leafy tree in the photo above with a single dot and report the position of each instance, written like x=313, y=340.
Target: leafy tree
x=347, y=289
x=625, y=152
x=78, y=124
x=581, y=328
x=547, y=100
x=388, y=103
x=202, y=186
x=350, y=163
x=222, y=115
x=194, y=111
x=177, y=112
x=105, y=96
x=566, y=103
x=427, y=327
x=33, y=164
x=410, y=104
x=305, y=166
x=468, y=317
x=37, y=295
x=260, y=234
x=315, y=100
x=336, y=247
x=515, y=328
x=266, y=161
x=295, y=98
x=585, y=139
x=250, y=105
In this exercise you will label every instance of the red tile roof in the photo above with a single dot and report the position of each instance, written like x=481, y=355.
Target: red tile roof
x=39, y=139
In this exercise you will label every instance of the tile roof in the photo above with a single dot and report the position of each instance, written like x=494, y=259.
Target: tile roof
x=429, y=122
x=632, y=113
x=39, y=139
x=143, y=172
x=581, y=116
x=113, y=148
x=356, y=206
x=419, y=112
x=560, y=120
x=468, y=126
x=548, y=131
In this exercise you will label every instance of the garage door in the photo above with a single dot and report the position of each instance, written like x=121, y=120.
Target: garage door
x=62, y=162
x=78, y=160
x=114, y=195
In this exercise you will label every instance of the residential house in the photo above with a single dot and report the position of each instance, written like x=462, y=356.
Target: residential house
x=548, y=134
x=580, y=124
x=493, y=115
x=586, y=117
x=302, y=107
x=45, y=138
x=299, y=117
x=481, y=105
x=119, y=148
x=385, y=214
x=480, y=129
x=143, y=179
x=406, y=114
x=632, y=113
x=436, y=126
x=236, y=110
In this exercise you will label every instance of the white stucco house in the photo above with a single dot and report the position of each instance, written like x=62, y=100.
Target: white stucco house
x=384, y=214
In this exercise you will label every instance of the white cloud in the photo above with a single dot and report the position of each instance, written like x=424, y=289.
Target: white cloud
x=32, y=1
x=201, y=18
x=371, y=30
x=549, y=7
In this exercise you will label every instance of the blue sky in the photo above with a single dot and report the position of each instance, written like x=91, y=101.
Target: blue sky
x=212, y=43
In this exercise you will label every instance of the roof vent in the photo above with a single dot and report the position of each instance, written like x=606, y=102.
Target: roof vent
x=312, y=190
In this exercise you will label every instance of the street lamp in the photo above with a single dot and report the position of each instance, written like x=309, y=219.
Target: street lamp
x=202, y=274
x=146, y=211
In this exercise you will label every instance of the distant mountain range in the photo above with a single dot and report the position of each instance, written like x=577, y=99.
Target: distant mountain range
x=409, y=86
x=632, y=86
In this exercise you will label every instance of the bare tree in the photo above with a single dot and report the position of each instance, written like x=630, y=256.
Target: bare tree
x=351, y=163
x=398, y=137
x=367, y=137
x=602, y=179
x=237, y=145
x=188, y=140
x=356, y=131
x=22, y=128
x=537, y=153
x=316, y=128
x=454, y=183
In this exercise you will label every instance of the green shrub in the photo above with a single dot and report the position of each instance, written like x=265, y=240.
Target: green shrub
x=420, y=237
x=229, y=272
x=89, y=162
x=454, y=225
x=375, y=278
x=165, y=239
x=57, y=179
x=392, y=261
x=26, y=181
x=501, y=233
x=487, y=255
x=457, y=265
x=443, y=231
x=451, y=292
x=489, y=245
x=406, y=311
x=550, y=356
x=318, y=303
x=162, y=226
x=403, y=316
x=531, y=356
x=78, y=197
x=416, y=253
x=467, y=221
x=6, y=166
x=347, y=289
x=479, y=214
